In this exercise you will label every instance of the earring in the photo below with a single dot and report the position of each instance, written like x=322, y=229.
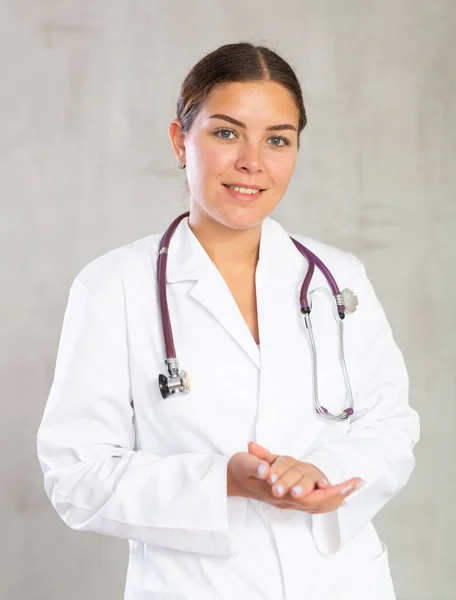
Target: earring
x=180, y=164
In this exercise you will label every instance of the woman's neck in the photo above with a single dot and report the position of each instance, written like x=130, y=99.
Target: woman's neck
x=229, y=249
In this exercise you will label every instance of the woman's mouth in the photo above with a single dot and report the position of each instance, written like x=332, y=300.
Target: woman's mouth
x=244, y=194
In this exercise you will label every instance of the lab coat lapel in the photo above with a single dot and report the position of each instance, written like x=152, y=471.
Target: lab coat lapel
x=285, y=375
x=213, y=293
x=287, y=421
x=188, y=260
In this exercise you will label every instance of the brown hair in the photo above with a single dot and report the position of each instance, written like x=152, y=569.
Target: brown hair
x=240, y=62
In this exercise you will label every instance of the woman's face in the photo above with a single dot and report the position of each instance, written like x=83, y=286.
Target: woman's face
x=253, y=141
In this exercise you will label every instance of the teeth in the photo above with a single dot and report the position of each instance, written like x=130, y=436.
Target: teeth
x=243, y=190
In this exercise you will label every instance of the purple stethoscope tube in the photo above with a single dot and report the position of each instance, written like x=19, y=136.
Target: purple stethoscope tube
x=177, y=381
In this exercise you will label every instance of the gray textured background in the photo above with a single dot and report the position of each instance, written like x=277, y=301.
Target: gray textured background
x=87, y=90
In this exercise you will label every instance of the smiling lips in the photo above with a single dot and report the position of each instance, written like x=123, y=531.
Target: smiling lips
x=244, y=188
x=243, y=193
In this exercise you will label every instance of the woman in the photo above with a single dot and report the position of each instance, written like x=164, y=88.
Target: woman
x=208, y=512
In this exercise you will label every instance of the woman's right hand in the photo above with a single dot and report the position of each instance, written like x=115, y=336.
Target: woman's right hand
x=244, y=479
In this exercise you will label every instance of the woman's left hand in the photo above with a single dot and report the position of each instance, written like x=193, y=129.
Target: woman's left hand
x=302, y=485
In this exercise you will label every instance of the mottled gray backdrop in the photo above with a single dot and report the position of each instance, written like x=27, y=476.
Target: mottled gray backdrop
x=87, y=90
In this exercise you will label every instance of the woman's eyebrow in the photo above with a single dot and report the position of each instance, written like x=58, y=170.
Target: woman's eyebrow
x=243, y=125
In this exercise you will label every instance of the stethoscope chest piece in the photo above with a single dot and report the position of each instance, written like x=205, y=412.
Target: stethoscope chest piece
x=177, y=383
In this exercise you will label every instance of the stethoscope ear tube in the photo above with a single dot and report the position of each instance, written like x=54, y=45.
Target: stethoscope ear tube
x=161, y=276
x=313, y=261
x=348, y=412
x=177, y=381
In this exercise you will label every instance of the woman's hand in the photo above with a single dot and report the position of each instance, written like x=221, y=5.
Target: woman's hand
x=302, y=486
x=246, y=476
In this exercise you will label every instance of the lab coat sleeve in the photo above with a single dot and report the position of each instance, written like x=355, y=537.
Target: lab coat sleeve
x=378, y=446
x=94, y=476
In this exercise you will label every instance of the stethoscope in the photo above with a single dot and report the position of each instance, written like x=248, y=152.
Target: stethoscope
x=177, y=381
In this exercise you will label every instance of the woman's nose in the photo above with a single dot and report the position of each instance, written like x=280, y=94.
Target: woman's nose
x=250, y=159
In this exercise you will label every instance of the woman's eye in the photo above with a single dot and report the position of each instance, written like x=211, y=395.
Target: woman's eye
x=281, y=139
x=222, y=131
x=225, y=133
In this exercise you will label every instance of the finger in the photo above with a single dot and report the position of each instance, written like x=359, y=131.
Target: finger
x=254, y=467
x=346, y=492
x=329, y=505
x=261, y=470
x=304, y=486
x=323, y=483
x=262, y=452
x=280, y=466
x=299, y=478
x=337, y=493
x=350, y=486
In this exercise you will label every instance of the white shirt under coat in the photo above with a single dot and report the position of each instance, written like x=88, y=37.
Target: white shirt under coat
x=120, y=460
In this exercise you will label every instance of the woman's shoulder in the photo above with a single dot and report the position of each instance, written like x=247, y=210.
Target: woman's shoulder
x=335, y=258
x=120, y=264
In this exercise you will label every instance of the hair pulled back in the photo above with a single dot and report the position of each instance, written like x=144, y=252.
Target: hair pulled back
x=239, y=62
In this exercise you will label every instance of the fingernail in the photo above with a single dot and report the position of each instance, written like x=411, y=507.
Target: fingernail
x=344, y=490
x=360, y=485
x=279, y=489
x=273, y=478
x=261, y=470
x=324, y=481
x=297, y=490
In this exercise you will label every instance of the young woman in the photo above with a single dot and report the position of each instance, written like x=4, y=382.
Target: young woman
x=257, y=476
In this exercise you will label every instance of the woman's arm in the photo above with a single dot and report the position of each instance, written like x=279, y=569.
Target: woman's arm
x=94, y=476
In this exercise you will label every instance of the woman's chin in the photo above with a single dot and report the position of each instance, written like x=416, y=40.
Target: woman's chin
x=237, y=218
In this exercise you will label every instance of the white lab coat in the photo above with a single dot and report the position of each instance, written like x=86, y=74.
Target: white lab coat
x=121, y=461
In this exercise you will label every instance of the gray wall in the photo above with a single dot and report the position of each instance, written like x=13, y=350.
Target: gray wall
x=87, y=91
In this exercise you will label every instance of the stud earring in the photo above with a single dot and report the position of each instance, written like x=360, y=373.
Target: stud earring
x=180, y=164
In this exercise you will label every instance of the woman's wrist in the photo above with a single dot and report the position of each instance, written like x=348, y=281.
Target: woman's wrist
x=232, y=488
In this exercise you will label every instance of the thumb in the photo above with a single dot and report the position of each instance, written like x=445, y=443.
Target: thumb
x=262, y=452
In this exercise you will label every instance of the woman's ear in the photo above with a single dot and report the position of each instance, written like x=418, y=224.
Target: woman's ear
x=177, y=138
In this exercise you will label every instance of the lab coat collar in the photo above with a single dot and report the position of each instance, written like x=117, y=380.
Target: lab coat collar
x=280, y=265
x=279, y=259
